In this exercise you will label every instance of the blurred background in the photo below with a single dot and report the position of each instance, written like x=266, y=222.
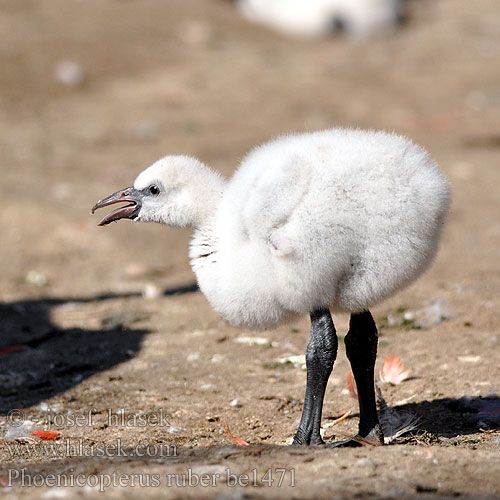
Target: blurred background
x=93, y=91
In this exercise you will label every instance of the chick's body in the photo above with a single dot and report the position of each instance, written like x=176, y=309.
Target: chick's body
x=338, y=218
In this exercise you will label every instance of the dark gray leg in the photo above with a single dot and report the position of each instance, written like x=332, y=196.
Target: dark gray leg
x=361, y=347
x=321, y=352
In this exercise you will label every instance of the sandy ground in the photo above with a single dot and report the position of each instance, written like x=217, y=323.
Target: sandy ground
x=118, y=352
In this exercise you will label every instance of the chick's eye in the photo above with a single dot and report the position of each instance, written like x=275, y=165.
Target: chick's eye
x=154, y=190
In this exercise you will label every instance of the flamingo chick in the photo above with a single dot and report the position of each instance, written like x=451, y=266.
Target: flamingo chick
x=357, y=18
x=331, y=220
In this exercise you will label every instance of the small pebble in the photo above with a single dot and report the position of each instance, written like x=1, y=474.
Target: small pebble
x=57, y=492
x=469, y=359
x=36, y=278
x=364, y=462
x=70, y=73
x=296, y=360
x=175, y=430
x=151, y=291
x=207, y=387
x=253, y=340
x=217, y=358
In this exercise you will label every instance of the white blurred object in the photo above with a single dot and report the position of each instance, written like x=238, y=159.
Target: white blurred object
x=36, y=278
x=16, y=432
x=173, y=429
x=320, y=17
x=70, y=73
x=298, y=360
x=151, y=291
x=253, y=340
x=435, y=312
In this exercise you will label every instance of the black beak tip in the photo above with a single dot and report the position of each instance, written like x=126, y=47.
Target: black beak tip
x=98, y=205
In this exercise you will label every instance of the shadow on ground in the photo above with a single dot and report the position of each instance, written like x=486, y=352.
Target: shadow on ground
x=450, y=417
x=441, y=418
x=38, y=359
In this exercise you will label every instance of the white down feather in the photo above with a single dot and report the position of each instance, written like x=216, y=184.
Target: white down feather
x=338, y=218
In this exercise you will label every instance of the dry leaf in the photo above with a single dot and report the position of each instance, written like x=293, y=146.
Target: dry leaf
x=393, y=372
x=351, y=386
x=359, y=439
x=235, y=440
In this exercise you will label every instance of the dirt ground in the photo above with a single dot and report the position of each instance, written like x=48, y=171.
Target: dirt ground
x=104, y=337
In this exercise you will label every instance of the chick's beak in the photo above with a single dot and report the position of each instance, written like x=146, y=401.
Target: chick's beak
x=133, y=199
